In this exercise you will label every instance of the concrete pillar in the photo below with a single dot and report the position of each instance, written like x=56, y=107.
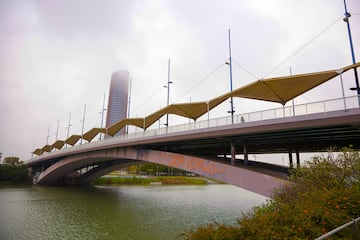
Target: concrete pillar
x=233, y=152
x=290, y=158
x=246, y=154
x=297, y=158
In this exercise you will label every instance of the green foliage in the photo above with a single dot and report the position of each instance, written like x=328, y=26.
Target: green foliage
x=322, y=195
x=12, y=161
x=180, y=180
x=122, y=181
x=13, y=173
x=213, y=232
x=168, y=180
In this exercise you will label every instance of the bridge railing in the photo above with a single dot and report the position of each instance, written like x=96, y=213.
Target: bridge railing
x=353, y=224
x=287, y=111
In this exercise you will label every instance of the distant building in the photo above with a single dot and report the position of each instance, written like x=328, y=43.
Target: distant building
x=118, y=99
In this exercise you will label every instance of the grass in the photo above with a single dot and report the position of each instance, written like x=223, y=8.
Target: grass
x=164, y=180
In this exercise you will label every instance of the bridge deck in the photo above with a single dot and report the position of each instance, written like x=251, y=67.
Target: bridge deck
x=306, y=133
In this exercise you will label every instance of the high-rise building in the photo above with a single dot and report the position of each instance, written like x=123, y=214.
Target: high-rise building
x=118, y=99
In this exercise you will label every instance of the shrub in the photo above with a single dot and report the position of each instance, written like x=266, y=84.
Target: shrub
x=322, y=195
x=13, y=173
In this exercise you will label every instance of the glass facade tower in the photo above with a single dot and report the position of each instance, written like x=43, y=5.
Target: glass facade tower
x=118, y=99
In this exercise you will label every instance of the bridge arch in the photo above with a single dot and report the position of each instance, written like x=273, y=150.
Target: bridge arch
x=108, y=160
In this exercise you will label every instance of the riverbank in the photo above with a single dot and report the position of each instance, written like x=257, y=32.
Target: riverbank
x=153, y=180
x=16, y=184
x=14, y=175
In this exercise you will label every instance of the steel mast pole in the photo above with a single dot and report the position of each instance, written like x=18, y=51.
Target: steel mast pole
x=346, y=19
x=57, y=130
x=83, y=123
x=68, y=128
x=48, y=136
x=102, y=114
x=231, y=84
x=129, y=102
x=168, y=93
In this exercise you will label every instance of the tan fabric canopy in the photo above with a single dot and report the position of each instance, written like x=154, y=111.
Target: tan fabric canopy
x=89, y=135
x=218, y=100
x=58, y=144
x=72, y=140
x=47, y=148
x=189, y=110
x=352, y=66
x=281, y=90
x=38, y=151
x=113, y=129
x=150, y=119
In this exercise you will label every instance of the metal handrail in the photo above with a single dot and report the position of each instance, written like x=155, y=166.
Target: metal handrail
x=353, y=224
x=275, y=113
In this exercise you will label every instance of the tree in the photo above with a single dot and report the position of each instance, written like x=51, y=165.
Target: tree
x=12, y=161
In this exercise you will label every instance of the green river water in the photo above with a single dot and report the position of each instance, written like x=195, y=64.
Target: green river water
x=121, y=212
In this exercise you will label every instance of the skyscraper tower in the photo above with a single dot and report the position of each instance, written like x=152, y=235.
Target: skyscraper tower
x=118, y=99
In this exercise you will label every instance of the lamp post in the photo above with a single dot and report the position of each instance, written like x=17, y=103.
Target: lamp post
x=292, y=100
x=129, y=101
x=83, y=123
x=57, y=131
x=168, y=93
x=231, y=85
x=48, y=136
x=346, y=19
x=68, y=127
x=102, y=115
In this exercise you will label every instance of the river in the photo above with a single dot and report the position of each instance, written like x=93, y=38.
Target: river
x=121, y=212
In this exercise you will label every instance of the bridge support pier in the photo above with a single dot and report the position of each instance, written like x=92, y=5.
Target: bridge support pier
x=246, y=154
x=290, y=158
x=233, y=152
x=297, y=158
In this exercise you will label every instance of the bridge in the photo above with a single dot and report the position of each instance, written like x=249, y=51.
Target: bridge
x=211, y=147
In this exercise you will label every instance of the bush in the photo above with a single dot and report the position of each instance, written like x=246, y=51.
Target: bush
x=122, y=181
x=13, y=173
x=322, y=195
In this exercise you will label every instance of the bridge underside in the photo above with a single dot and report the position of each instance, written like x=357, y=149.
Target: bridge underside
x=85, y=167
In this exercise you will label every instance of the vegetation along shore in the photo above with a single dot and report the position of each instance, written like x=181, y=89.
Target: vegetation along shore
x=321, y=196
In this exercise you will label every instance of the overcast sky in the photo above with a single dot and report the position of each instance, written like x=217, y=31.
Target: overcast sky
x=57, y=56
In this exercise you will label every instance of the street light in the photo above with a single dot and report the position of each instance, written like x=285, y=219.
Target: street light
x=48, y=136
x=102, y=115
x=128, y=103
x=83, y=123
x=231, y=84
x=168, y=93
x=68, y=128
